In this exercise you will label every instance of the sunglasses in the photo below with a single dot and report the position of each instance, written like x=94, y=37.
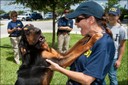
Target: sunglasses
x=14, y=16
x=77, y=20
x=111, y=15
x=66, y=12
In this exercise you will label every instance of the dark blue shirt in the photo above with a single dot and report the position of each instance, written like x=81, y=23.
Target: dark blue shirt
x=97, y=61
x=65, y=22
x=16, y=24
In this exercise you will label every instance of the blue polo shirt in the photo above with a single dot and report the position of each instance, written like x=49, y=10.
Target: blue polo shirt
x=97, y=61
x=12, y=25
x=65, y=22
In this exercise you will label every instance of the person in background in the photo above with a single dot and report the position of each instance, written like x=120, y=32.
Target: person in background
x=14, y=30
x=65, y=25
x=119, y=37
x=92, y=66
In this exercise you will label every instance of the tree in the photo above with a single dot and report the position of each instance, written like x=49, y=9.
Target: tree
x=110, y=4
x=2, y=11
x=20, y=12
x=53, y=5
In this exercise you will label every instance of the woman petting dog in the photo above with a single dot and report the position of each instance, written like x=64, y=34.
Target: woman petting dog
x=89, y=58
x=35, y=50
x=91, y=67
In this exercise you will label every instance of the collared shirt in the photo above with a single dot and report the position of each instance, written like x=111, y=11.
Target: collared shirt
x=12, y=25
x=65, y=22
x=96, y=61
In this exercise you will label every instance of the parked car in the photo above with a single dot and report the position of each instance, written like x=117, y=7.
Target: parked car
x=5, y=16
x=48, y=15
x=24, y=18
x=35, y=16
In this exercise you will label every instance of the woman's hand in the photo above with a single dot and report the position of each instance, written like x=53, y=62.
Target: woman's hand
x=19, y=28
x=53, y=66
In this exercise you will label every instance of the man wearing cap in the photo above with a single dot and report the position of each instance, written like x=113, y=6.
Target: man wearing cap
x=65, y=25
x=92, y=66
x=119, y=37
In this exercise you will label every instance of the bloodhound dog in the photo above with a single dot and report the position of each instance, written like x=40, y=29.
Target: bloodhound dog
x=35, y=50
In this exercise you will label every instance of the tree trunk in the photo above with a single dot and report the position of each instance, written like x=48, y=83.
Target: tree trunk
x=53, y=35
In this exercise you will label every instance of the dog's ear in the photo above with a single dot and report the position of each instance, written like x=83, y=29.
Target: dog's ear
x=28, y=27
x=37, y=30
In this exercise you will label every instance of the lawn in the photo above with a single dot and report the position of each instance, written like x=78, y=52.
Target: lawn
x=9, y=68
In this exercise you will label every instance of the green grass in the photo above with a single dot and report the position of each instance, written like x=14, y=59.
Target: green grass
x=8, y=68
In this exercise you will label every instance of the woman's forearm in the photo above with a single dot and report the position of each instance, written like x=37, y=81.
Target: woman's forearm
x=77, y=76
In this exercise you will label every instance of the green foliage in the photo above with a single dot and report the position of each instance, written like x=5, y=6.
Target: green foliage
x=2, y=11
x=47, y=5
x=20, y=12
x=110, y=4
x=9, y=68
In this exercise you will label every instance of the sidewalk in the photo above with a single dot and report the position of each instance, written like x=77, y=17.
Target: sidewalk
x=45, y=26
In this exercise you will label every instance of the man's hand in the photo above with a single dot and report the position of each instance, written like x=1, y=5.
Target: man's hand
x=117, y=64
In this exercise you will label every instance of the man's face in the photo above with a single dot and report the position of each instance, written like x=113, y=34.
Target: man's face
x=112, y=18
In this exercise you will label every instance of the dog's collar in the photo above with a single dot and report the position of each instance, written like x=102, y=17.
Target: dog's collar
x=40, y=39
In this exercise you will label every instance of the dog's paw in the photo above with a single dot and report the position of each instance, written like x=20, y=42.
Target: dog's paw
x=23, y=51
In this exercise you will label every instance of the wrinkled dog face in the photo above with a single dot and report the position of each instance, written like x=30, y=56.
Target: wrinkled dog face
x=32, y=34
x=31, y=38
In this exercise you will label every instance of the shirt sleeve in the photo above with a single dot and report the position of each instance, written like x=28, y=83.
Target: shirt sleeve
x=9, y=26
x=59, y=22
x=123, y=34
x=21, y=24
x=71, y=24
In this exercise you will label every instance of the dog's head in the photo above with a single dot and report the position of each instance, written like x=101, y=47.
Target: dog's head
x=32, y=34
x=31, y=37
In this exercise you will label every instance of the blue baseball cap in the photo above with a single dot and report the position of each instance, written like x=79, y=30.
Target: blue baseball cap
x=114, y=11
x=89, y=8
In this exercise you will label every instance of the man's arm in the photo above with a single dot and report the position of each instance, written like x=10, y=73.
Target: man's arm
x=11, y=30
x=121, y=52
x=65, y=28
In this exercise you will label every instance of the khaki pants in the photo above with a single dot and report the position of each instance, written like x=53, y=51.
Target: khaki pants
x=15, y=41
x=63, y=42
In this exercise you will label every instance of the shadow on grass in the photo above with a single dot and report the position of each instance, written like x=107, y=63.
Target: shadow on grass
x=10, y=56
x=124, y=82
x=6, y=46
